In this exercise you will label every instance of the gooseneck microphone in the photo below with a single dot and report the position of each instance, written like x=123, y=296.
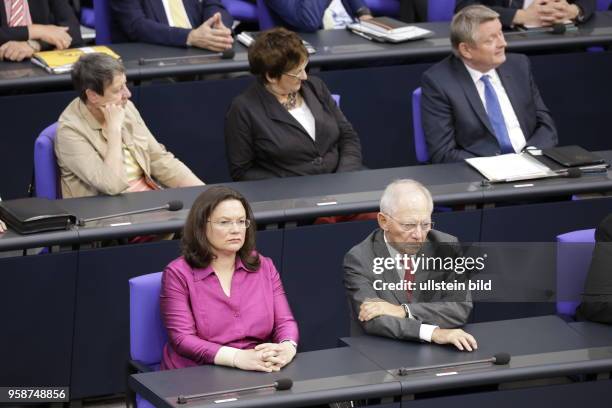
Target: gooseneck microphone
x=280, y=385
x=173, y=205
x=225, y=54
x=497, y=359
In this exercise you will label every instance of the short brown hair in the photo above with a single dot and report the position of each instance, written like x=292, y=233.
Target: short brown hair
x=95, y=71
x=275, y=52
x=195, y=247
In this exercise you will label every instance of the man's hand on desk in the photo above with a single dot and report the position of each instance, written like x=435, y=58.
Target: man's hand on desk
x=212, y=35
x=55, y=35
x=278, y=354
x=16, y=51
x=374, y=308
x=461, y=340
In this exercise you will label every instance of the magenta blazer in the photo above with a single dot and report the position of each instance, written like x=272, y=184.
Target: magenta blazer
x=200, y=318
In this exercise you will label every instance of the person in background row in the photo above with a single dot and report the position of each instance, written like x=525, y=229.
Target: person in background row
x=312, y=15
x=536, y=13
x=286, y=123
x=27, y=27
x=406, y=231
x=103, y=145
x=222, y=302
x=413, y=11
x=480, y=101
x=179, y=23
x=597, y=297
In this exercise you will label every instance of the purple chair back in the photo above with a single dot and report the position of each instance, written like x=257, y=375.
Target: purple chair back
x=45, y=165
x=420, y=146
x=241, y=10
x=384, y=7
x=147, y=333
x=103, y=21
x=440, y=10
x=574, y=252
x=603, y=4
x=266, y=17
x=88, y=17
x=336, y=99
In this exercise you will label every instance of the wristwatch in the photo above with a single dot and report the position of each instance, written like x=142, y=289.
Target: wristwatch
x=293, y=343
x=406, y=309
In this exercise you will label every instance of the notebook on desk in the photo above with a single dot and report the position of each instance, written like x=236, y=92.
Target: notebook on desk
x=387, y=29
x=32, y=215
x=510, y=167
x=574, y=156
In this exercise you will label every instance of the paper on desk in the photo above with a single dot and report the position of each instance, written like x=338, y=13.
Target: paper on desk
x=510, y=167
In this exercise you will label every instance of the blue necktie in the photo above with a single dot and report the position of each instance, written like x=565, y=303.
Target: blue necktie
x=496, y=117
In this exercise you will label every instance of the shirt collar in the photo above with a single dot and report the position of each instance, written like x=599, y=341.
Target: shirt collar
x=89, y=118
x=203, y=273
x=476, y=75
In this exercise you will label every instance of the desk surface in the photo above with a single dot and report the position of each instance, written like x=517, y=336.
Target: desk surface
x=318, y=377
x=334, y=47
x=539, y=347
x=596, y=334
x=298, y=198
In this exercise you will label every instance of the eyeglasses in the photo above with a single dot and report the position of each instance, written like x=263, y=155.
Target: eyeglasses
x=227, y=224
x=299, y=74
x=411, y=227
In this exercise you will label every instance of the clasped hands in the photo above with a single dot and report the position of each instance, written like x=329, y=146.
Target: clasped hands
x=266, y=357
x=212, y=35
x=546, y=13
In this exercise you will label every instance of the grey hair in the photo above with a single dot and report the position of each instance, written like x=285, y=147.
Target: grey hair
x=392, y=193
x=464, y=26
x=95, y=71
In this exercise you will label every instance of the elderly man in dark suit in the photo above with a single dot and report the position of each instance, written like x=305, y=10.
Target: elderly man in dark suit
x=480, y=101
x=28, y=27
x=597, y=297
x=536, y=13
x=390, y=302
x=180, y=23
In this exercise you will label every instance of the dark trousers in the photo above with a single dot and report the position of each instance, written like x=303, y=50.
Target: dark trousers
x=413, y=11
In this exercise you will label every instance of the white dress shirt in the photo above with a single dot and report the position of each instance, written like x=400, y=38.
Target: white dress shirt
x=336, y=16
x=426, y=330
x=517, y=138
x=303, y=115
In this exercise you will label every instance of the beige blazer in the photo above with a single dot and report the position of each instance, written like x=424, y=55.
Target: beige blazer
x=80, y=147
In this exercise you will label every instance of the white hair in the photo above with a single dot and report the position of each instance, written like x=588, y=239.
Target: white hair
x=395, y=190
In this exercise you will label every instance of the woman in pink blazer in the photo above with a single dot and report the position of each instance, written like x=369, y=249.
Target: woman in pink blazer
x=222, y=302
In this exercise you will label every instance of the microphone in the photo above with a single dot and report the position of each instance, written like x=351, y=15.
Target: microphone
x=280, y=385
x=173, y=205
x=497, y=359
x=572, y=172
x=225, y=54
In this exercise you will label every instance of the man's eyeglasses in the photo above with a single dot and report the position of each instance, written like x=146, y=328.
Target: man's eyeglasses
x=410, y=227
x=227, y=224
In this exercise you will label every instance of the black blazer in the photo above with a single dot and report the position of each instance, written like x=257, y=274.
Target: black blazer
x=454, y=118
x=57, y=12
x=507, y=8
x=597, y=298
x=263, y=140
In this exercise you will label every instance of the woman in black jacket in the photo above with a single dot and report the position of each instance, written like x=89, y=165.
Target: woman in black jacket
x=286, y=124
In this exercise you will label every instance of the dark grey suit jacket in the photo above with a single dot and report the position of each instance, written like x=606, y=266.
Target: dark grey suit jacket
x=454, y=118
x=447, y=310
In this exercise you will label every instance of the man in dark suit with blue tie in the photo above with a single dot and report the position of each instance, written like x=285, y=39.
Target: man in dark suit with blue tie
x=180, y=23
x=480, y=101
x=536, y=13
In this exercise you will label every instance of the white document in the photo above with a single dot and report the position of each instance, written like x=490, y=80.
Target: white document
x=510, y=167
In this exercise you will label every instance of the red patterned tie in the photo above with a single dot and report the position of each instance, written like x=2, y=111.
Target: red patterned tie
x=18, y=13
x=409, y=277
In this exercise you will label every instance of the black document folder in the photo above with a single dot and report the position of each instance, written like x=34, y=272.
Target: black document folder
x=32, y=215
